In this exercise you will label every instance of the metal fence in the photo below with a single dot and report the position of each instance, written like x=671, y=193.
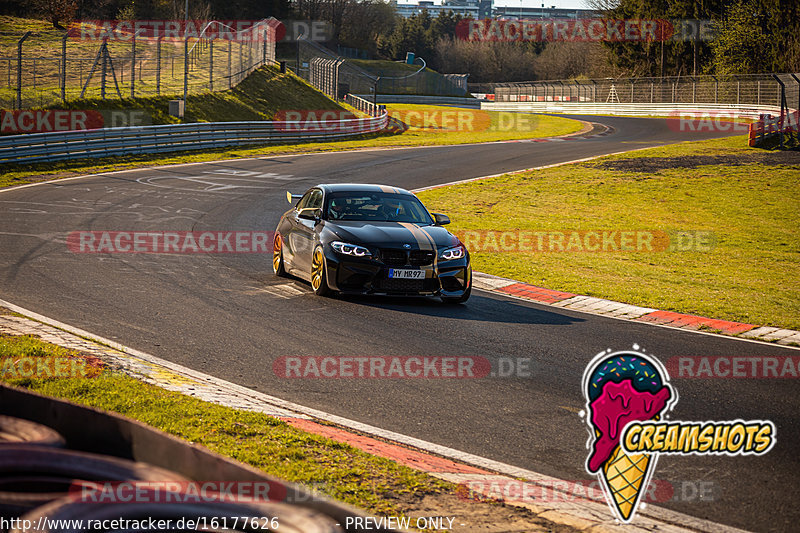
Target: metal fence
x=316, y=63
x=756, y=90
x=50, y=67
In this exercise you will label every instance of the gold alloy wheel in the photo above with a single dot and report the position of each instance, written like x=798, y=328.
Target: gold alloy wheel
x=277, y=244
x=317, y=269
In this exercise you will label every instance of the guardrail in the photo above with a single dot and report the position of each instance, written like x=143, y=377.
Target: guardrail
x=426, y=99
x=58, y=146
x=364, y=105
x=581, y=108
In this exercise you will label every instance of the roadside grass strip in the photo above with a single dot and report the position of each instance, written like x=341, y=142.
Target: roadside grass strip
x=729, y=212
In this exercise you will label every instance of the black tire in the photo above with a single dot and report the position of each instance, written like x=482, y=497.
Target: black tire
x=319, y=279
x=31, y=476
x=18, y=431
x=289, y=518
x=458, y=299
x=277, y=256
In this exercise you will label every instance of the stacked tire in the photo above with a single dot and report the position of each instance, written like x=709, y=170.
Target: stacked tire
x=49, y=488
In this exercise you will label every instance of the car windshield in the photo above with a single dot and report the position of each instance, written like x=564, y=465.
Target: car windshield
x=377, y=207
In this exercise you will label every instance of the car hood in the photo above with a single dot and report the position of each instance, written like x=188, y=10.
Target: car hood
x=392, y=234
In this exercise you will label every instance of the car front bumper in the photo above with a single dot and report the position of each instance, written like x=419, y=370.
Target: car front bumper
x=353, y=275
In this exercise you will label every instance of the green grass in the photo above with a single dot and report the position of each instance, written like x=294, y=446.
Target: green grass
x=450, y=125
x=378, y=485
x=11, y=174
x=751, y=208
x=259, y=97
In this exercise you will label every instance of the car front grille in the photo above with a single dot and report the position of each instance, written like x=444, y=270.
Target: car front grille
x=420, y=257
x=394, y=257
x=400, y=258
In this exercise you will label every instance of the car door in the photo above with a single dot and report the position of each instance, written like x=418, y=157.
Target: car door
x=302, y=236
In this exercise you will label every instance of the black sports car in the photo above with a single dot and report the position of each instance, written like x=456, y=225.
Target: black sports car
x=370, y=239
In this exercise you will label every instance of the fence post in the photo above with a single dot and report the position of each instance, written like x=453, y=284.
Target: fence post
x=158, y=65
x=783, y=108
x=211, y=64
x=230, y=70
x=63, y=80
x=103, y=70
x=185, y=71
x=133, y=66
x=19, y=68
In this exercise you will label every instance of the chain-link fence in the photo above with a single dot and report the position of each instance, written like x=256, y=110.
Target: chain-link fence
x=317, y=64
x=757, y=90
x=45, y=68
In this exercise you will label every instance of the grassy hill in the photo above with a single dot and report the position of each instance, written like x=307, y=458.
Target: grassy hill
x=259, y=97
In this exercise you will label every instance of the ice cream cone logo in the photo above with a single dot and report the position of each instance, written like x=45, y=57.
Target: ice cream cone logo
x=621, y=388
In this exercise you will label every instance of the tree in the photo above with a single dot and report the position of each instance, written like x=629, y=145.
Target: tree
x=758, y=36
x=56, y=11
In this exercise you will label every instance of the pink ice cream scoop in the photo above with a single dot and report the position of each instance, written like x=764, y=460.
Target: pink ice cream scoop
x=617, y=405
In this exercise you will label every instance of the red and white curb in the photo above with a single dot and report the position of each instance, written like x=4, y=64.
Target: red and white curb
x=599, y=306
x=482, y=475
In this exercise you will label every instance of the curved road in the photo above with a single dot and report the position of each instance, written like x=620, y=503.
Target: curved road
x=227, y=315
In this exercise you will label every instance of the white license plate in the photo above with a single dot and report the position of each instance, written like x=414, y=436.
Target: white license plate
x=406, y=273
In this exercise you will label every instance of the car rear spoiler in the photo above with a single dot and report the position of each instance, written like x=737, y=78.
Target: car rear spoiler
x=292, y=198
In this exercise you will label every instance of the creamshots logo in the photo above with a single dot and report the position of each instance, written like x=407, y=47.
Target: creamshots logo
x=628, y=401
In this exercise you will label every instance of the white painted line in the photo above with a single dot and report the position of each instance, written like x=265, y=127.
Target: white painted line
x=570, y=508
x=631, y=320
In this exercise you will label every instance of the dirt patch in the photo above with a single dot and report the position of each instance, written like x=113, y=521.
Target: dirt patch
x=653, y=164
x=476, y=516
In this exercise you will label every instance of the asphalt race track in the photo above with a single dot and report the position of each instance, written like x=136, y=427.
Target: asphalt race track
x=228, y=316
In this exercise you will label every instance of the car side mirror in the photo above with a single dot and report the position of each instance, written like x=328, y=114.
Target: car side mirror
x=310, y=213
x=441, y=219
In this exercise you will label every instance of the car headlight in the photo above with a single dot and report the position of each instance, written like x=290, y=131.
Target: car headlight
x=350, y=249
x=456, y=252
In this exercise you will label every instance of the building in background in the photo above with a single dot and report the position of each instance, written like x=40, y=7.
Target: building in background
x=483, y=9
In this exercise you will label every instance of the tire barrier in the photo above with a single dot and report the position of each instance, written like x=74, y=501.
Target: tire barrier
x=16, y=430
x=31, y=476
x=151, y=476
